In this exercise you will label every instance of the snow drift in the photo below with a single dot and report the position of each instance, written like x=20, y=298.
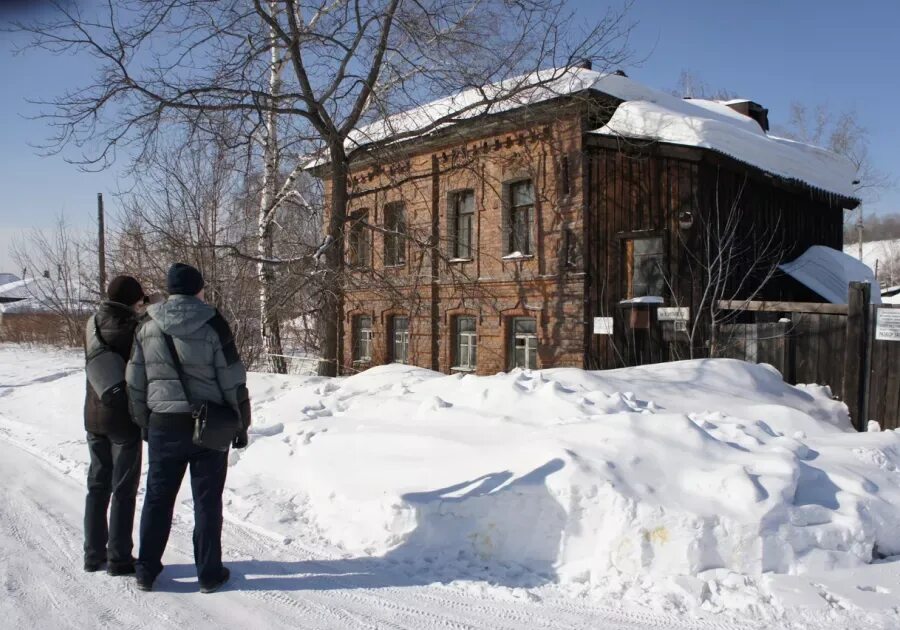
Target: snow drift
x=564, y=474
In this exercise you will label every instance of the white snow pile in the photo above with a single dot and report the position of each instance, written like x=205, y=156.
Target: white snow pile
x=663, y=470
x=829, y=273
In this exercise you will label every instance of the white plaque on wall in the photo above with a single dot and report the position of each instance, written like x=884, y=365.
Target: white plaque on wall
x=603, y=325
x=887, y=324
x=673, y=313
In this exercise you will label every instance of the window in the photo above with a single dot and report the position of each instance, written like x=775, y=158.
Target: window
x=395, y=235
x=521, y=217
x=466, y=344
x=523, y=343
x=400, y=337
x=360, y=249
x=362, y=340
x=644, y=267
x=462, y=214
x=568, y=254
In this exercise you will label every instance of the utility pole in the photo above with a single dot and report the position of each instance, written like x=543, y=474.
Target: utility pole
x=101, y=245
x=859, y=231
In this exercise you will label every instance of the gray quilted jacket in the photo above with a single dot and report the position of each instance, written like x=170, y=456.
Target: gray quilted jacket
x=208, y=355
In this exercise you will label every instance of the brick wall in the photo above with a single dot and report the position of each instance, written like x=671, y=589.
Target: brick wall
x=432, y=289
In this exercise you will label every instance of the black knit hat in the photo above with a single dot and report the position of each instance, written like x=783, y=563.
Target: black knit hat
x=184, y=280
x=125, y=290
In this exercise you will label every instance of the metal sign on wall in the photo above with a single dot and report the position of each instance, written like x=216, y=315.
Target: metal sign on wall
x=887, y=324
x=673, y=314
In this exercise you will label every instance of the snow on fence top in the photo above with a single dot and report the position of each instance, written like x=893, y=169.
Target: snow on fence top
x=645, y=113
x=829, y=273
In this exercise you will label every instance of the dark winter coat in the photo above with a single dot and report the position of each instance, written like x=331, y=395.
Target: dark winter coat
x=208, y=356
x=116, y=323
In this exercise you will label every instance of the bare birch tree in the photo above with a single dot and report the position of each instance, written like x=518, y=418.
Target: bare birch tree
x=347, y=65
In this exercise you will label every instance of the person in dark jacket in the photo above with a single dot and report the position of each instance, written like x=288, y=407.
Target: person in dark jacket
x=113, y=440
x=214, y=372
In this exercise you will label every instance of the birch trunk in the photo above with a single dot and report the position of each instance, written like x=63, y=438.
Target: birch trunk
x=270, y=325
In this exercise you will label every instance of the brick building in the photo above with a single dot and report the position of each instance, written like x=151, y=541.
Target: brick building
x=494, y=242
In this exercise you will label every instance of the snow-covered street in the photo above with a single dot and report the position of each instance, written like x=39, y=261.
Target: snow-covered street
x=333, y=520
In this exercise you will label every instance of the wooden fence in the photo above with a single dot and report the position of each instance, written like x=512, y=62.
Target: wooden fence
x=829, y=344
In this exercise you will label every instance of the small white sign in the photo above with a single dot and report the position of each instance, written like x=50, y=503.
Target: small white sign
x=887, y=324
x=603, y=325
x=673, y=314
x=680, y=326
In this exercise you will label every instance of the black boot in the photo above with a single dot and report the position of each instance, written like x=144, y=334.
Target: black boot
x=121, y=568
x=92, y=566
x=215, y=586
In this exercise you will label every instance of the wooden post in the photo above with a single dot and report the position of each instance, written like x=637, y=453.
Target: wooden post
x=101, y=245
x=855, y=381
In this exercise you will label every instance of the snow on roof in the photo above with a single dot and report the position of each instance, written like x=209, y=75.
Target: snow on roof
x=829, y=273
x=713, y=125
x=17, y=289
x=645, y=113
x=6, y=278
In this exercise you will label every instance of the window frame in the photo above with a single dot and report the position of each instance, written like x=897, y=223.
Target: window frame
x=403, y=341
x=471, y=337
x=359, y=232
x=513, y=213
x=530, y=344
x=395, y=234
x=358, y=338
x=456, y=216
x=631, y=266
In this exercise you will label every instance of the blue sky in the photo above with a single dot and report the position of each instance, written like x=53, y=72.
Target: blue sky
x=843, y=54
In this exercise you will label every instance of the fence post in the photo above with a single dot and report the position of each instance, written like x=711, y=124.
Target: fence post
x=855, y=377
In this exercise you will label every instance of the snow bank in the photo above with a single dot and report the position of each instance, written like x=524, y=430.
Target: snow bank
x=661, y=470
x=695, y=487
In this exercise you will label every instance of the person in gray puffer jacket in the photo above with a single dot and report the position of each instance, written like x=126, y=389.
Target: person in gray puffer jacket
x=161, y=408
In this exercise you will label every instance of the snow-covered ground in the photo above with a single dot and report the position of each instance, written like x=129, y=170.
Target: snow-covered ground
x=703, y=494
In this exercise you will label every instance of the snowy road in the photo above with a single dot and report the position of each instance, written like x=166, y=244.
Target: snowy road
x=275, y=585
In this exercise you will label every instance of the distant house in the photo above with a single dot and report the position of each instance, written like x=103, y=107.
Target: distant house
x=539, y=234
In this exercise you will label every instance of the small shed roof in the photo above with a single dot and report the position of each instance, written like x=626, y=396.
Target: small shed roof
x=829, y=273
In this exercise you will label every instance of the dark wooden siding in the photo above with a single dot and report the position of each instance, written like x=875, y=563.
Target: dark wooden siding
x=632, y=190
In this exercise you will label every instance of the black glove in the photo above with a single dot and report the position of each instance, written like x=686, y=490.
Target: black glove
x=241, y=440
x=116, y=397
x=145, y=434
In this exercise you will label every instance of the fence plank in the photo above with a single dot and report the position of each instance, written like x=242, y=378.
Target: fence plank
x=855, y=352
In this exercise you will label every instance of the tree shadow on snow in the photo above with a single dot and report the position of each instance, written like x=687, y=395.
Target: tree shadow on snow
x=497, y=529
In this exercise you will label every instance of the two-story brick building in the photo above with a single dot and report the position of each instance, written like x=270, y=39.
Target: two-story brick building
x=496, y=241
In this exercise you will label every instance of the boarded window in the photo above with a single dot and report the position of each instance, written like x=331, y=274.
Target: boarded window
x=395, y=234
x=644, y=265
x=360, y=240
x=521, y=217
x=466, y=344
x=523, y=343
x=400, y=339
x=462, y=215
x=362, y=339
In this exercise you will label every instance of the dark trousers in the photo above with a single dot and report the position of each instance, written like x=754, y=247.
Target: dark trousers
x=112, y=485
x=171, y=451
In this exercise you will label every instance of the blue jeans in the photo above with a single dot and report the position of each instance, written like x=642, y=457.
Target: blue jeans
x=171, y=451
x=112, y=485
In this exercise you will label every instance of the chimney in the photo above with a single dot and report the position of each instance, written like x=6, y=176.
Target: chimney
x=752, y=110
x=620, y=73
x=587, y=64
